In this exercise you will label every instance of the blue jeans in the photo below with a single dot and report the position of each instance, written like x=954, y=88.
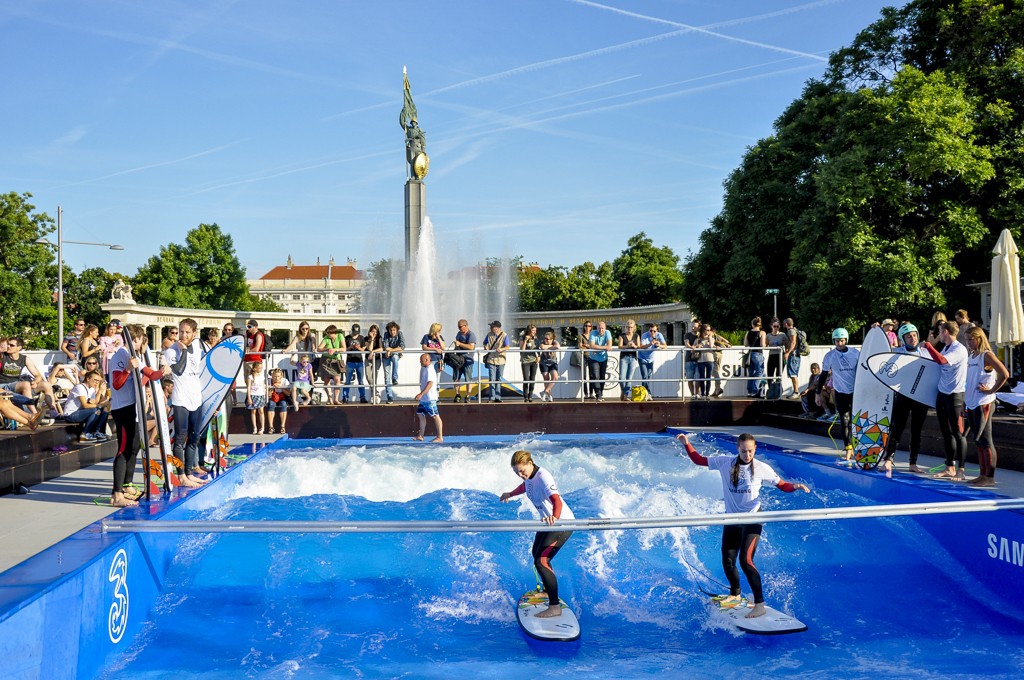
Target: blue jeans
x=598, y=373
x=755, y=369
x=627, y=368
x=93, y=419
x=354, y=372
x=187, y=436
x=646, y=371
x=494, y=373
x=390, y=375
x=704, y=377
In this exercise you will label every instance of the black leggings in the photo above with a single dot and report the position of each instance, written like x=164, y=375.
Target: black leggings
x=844, y=407
x=529, y=378
x=545, y=546
x=980, y=421
x=742, y=539
x=902, y=408
x=127, y=447
x=949, y=409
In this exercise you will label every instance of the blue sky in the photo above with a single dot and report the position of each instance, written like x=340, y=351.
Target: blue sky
x=556, y=129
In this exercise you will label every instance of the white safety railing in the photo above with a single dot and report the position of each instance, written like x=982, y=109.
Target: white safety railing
x=672, y=372
x=596, y=524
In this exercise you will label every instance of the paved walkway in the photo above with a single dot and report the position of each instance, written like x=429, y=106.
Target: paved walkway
x=56, y=509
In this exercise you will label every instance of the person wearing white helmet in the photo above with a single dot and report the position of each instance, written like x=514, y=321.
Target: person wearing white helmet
x=904, y=407
x=840, y=365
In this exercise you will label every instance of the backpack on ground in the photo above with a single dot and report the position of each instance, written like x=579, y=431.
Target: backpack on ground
x=639, y=393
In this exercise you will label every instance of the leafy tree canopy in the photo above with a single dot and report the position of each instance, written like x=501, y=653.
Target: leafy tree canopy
x=885, y=185
x=647, y=275
x=28, y=275
x=203, y=273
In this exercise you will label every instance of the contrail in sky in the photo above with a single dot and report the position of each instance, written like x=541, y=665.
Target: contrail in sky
x=152, y=165
x=698, y=29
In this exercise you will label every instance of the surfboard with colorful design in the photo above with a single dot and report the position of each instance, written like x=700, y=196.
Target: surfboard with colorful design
x=872, y=405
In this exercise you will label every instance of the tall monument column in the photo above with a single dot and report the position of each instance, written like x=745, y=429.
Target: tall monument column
x=419, y=164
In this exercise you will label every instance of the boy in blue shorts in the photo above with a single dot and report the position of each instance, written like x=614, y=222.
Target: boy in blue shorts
x=427, y=399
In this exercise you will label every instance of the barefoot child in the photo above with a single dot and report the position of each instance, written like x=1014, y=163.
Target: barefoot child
x=256, y=395
x=539, y=486
x=427, y=398
x=122, y=410
x=741, y=484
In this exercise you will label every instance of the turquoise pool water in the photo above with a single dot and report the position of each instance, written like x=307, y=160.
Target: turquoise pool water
x=881, y=597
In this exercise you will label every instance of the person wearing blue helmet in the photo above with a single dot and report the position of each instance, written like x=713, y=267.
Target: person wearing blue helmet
x=840, y=367
x=904, y=407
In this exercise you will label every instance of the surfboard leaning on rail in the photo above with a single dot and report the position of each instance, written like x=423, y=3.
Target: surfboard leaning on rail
x=160, y=413
x=141, y=431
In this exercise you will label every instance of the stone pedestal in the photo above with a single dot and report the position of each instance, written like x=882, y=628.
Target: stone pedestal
x=415, y=213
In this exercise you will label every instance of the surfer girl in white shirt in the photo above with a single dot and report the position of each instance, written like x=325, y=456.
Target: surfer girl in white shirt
x=985, y=375
x=741, y=484
x=539, y=486
x=840, y=364
x=949, y=404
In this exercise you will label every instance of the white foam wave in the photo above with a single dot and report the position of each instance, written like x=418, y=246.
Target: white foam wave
x=404, y=472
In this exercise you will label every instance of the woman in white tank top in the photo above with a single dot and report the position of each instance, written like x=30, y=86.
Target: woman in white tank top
x=985, y=375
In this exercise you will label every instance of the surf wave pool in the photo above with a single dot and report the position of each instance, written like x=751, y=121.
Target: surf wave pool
x=882, y=597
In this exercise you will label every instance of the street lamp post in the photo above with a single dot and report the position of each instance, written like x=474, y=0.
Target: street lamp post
x=59, y=245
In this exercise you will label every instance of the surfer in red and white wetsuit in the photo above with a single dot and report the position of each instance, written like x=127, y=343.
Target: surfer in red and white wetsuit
x=741, y=485
x=539, y=486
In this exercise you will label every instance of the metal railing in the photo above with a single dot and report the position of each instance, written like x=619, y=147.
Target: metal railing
x=675, y=372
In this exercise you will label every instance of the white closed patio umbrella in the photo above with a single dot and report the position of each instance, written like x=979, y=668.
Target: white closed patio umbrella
x=1006, y=323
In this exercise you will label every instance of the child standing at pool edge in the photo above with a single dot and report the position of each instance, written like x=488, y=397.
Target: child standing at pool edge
x=741, y=485
x=427, y=398
x=539, y=486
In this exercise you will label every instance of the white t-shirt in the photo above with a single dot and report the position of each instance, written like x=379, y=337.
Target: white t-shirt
x=187, y=390
x=746, y=497
x=118, y=364
x=977, y=375
x=429, y=374
x=844, y=368
x=539, y=489
x=73, y=402
x=953, y=377
x=258, y=384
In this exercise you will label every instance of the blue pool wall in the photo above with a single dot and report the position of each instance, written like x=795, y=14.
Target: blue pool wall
x=54, y=624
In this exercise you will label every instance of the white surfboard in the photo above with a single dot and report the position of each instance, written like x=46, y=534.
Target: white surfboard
x=564, y=628
x=872, y=405
x=220, y=368
x=910, y=375
x=773, y=622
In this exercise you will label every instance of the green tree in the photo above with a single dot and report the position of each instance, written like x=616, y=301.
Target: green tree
x=585, y=286
x=85, y=292
x=885, y=185
x=28, y=274
x=647, y=275
x=204, y=273
x=377, y=294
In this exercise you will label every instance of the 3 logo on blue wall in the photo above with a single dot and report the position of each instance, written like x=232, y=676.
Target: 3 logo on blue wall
x=1002, y=548
x=117, y=619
